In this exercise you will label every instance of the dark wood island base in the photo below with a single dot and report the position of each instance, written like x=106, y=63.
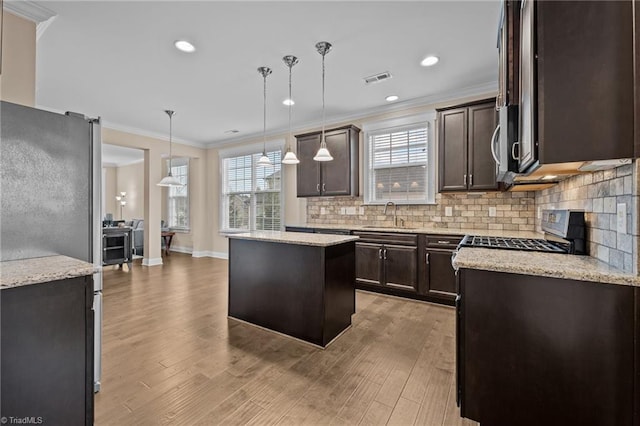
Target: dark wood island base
x=298, y=285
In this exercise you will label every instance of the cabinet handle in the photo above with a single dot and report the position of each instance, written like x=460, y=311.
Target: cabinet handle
x=318, y=187
x=494, y=140
x=380, y=254
x=385, y=254
x=324, y=187
x=470, y=180
x=443, y=242
x=465, y=180
x=426, y=258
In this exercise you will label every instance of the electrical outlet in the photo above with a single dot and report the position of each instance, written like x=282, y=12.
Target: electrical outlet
x=323, y=210
x=448, y=211
x=622, y=218
x=492, y=211
x=351, y=210
x=361, y=211
x=343, y=210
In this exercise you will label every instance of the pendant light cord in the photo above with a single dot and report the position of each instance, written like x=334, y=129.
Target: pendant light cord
x=264, y=118
x=322, y=142
x=170, y=142
x=290, y=105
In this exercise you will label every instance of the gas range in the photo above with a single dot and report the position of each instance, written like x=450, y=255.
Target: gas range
x=568, y=225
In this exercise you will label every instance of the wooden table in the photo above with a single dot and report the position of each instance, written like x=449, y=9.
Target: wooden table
x=167, y=236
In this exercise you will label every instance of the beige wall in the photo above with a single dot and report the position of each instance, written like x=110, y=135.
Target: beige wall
x=18, y=80
x=110, y=184
x=130, y=179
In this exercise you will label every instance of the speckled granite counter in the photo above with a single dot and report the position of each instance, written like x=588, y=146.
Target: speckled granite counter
x=16, y=273
x=583, y=268
x=426, y=230
x=322, y=240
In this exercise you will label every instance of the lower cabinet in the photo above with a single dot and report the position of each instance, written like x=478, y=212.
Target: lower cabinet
x=537, y=351
x=47, y=353
x=439, y=277
x=385, y=260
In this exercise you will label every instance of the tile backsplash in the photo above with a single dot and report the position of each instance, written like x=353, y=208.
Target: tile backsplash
x=491, y=210
x=602, y=195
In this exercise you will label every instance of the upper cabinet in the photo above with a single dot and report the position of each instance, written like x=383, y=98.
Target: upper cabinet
x=330, y=178
x=576, y=78
x=464, y=142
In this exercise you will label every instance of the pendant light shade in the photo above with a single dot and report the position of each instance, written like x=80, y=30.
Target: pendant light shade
x=169, y=180
x=323, y=154
x=264, y=161
x=290, y=156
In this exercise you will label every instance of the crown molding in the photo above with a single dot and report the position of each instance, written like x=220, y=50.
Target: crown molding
x=150, y=134
x=453, y=95
x=28, y=10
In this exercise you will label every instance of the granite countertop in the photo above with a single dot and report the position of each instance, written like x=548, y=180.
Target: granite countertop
x=566, y=266
x=322, y=240
x=16, y=273
x=425, y=230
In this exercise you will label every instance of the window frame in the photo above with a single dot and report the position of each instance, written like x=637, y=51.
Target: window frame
x=395, y=125
x=240, y=151
x=179, y=162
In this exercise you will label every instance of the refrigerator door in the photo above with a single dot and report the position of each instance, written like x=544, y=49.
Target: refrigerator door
x=46, y=180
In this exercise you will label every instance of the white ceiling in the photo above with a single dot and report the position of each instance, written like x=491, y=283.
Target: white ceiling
x=116, y=60
x=117, y=156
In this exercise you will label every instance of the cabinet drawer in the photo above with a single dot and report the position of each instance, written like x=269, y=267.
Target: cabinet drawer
x=388, y=238
x=443, y=241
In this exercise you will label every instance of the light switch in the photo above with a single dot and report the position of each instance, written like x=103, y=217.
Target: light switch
x=351, y=210
x=361, y=211
x=492, y=211
x=448, y=211
x=622, y=218
x=323, y=210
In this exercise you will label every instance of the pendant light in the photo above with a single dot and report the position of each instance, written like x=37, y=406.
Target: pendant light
x=169, y=180
x=323, y=154
x=264, y=160
x=290, y=156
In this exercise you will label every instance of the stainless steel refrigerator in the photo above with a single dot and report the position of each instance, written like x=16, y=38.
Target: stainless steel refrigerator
x=50, y=187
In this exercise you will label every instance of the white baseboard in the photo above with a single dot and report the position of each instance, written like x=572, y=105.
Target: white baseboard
x=179, y=249
x=206, y=253
x=152, y=262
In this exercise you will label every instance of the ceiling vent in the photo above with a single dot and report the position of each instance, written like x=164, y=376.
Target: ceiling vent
x=377, y=78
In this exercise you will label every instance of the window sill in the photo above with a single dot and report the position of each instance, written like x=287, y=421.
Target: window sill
x=180, y=230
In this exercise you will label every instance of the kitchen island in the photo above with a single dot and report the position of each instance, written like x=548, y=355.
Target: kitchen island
x=300, y=285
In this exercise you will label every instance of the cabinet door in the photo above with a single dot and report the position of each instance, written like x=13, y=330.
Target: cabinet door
x=336, y=174
x=483, y=120
x=441, y=277
x=308, y=171
x=452, y=138
x=527, y=154
x=401, y=267
x=368, y=263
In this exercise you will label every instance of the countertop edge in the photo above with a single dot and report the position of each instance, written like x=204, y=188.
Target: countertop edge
x=296, y=238
x=23, y=272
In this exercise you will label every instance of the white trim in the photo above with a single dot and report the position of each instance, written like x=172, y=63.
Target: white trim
x=485, y=88
x=29, y=10
x=180, y=249
x=152, y=262
x=150, y=134
x=41, y=27
x=214, y=254
x=254, y=148
x=373, y=127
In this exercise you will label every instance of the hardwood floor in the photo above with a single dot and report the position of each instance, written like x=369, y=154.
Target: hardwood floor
x=171, y=356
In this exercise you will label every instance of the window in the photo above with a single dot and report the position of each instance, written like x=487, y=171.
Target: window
x=251, y=194
x=178, y=199
x=399, y=161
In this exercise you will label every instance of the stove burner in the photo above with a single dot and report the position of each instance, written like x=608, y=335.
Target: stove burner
x=526, y=244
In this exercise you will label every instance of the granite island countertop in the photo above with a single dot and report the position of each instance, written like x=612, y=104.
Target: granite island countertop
x=300, y=238
x=564, y=266
x=16, y=273
x=423, y=230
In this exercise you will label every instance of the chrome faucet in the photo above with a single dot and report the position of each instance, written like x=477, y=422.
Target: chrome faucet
x=395, y=211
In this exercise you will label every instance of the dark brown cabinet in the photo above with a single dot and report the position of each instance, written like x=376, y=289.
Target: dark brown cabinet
x=47, y=352
x=546, y=351
x=464, y=141
x=387, y=260
x=439, y=277
x=576, y=65
x=116, y=246
x=331, y=178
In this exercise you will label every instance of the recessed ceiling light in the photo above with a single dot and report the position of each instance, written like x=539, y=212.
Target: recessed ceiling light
x=429, y=61
x=391, y=98
x=288, y=102
x=184, y=46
